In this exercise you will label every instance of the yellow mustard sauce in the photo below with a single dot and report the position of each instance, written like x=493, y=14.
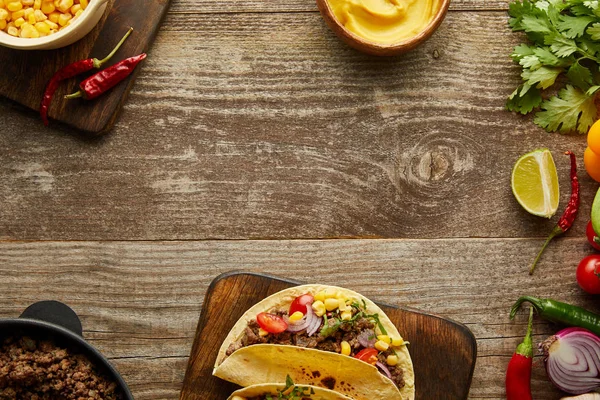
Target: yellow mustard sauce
x=385, y=21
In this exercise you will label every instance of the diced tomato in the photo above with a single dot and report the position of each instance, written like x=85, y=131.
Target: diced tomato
x=367, y=355
x=271, y=323
x=300, y=302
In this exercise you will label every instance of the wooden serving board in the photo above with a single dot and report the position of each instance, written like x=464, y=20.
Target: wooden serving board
x=25, y=73
x=443, y=351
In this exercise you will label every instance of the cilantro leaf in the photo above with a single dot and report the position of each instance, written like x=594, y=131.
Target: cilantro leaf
x=580, y=76
x=531, y=62
x=522, y=51
x=594, y=31
x=570, y=110
x=573, y=27
x=544, y=77
x=560, y=45
x=548, y=58
x=524, y=103
x=536, y=23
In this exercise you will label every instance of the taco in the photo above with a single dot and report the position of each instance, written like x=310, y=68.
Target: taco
x=320, y=335
x=289, y=391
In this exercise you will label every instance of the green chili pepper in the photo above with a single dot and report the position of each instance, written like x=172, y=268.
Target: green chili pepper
x=564, y=313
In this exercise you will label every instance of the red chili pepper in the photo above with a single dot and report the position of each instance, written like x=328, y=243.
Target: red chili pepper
x=568, y=217
x=70, y=71
x=518, y=373
x=102, y=81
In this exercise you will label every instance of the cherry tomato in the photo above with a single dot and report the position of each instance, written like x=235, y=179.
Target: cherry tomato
x=367, y=355
x=271, y=323
x=591, y=236
x=587, y=274
x=300, y=302
x=593, y=137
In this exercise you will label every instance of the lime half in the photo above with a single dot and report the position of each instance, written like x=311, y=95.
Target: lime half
x=534, y=183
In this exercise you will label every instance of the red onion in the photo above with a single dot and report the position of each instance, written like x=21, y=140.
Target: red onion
x=384, y=369
x=367, y=338
x=304, y=323
x=572, y=359
x=311, y=330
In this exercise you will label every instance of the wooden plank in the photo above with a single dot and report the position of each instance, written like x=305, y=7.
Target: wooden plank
x=293, y=6
x=440, y=348
x=140, y=301
x=26, y=73
x=266, y=126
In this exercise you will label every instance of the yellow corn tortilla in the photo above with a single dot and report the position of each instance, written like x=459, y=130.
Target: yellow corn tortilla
x=274, y=389
x=262, y=363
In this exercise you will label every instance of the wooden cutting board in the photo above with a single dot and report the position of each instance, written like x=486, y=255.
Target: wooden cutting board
x=443, y=351
x=25, y=73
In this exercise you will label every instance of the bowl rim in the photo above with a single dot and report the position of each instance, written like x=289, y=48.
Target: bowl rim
x=379, y=48
x=19, y=323
x=26, y=43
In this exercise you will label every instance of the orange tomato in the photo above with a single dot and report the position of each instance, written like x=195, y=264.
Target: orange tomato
x=591, y=160
x=593, y=137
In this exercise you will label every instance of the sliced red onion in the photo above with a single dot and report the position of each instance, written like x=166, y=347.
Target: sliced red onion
x=367, y=338
x=572, y=359
x=311, y=330
x=304, y=323
x=384, y=369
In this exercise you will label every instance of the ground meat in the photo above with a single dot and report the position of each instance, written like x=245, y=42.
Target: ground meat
x=39, y=370
x=396, y=371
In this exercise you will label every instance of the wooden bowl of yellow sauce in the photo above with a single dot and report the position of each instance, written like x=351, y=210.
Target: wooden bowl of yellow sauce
x=383, y=27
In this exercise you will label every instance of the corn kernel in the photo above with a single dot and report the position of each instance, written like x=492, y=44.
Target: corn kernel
x=392, y=360
x=3, y=14
x=19, y=22
x=346, y=315
x=320, y=296
x=385, y=338
x=331, y=304
x=330, y=293
x=56, y=2
x=48, y=7
x=31, y=19
x=2, y=5
x=37, y=4
x=13, y=31
x=381, y=345
x=27, y=12
x=14, y=6
x=54, y=17
x=83, y=3
x=75, y=8
x=42, y=27
x=297, y=316
x=17, y=14
x=319, y=308
x=39, y=16
x=2, y=24
x=63, y=19
x=51, y=24
x=262, y=332
x=27, y=3
x=342, y=305
x=396, y=342
x=64, y=5
x=345, y=348
x=28, y=31
x=78, y=13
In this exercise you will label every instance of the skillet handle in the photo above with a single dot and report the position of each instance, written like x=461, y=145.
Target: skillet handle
x=56, y=313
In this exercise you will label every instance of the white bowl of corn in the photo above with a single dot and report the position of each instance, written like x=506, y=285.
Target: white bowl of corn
x=47, y=24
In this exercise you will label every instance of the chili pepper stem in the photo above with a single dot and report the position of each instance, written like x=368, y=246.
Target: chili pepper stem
x=74, y=95
x=535, y=302
x=555, y=232
x=99, y=63
x=526, y=347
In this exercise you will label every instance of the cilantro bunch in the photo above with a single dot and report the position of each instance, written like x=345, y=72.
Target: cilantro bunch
x=564, y=57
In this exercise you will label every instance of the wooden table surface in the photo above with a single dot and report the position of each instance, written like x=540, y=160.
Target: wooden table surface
x=254, y=140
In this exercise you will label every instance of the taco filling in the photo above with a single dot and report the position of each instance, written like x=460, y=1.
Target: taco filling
x=330, y=322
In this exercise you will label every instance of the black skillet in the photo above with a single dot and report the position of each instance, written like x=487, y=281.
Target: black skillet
x=58, y=322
